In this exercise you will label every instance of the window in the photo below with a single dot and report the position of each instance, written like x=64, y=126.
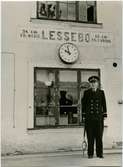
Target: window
x=44, y=98
x=57, y=96
x=67, y=10
x=77, y=11
x=46, y=10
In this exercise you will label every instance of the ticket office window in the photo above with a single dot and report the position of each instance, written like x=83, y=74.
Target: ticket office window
x=57, y=96
x=77, y=11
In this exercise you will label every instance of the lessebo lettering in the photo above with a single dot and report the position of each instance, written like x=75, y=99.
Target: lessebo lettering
x=53, y=35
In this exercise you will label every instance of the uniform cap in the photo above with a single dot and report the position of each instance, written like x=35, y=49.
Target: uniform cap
x=93, y=79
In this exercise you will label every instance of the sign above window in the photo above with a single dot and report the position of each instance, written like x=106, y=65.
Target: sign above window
x=83, y=38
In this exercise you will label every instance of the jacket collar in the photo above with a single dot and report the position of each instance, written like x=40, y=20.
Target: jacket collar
x=95, y=90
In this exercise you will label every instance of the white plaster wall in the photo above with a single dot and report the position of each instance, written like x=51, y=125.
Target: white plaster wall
x=16, y=14
x=113, y=89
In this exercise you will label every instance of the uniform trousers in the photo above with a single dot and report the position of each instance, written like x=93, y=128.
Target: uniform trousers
x=94, y=129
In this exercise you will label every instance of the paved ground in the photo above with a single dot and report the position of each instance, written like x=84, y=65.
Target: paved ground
x=73, y=159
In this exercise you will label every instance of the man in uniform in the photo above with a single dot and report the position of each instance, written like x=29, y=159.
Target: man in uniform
x=93, y=112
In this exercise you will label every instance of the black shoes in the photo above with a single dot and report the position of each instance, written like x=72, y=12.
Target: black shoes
x=100, y=156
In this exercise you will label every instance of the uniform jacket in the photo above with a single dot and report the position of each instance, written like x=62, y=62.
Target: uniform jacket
x=94, y=105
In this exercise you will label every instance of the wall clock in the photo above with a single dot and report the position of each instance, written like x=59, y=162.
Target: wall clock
x=68, y=53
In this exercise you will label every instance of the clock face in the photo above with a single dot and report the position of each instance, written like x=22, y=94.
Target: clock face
x=68, y=53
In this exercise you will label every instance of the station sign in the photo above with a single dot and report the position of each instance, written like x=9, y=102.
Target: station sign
x=56, y=35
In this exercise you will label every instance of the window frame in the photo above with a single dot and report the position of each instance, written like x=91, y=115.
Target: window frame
x=76, y=14
x=56, y=116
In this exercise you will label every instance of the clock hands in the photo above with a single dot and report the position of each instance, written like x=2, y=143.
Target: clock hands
x=67, y=51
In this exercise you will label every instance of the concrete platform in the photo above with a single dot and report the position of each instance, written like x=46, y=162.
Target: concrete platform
x=63, y=159
x=65, y=152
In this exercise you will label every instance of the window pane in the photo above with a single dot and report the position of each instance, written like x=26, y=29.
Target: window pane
x=47, y=9
x=42, y=11
x=87, y=11
x=44, y=99
x=82, y=11
x=86, y=74
x=51, y=10
x=91, y=11
x=67, y=10
x=92, y=3
x=71, y=11
x=63, y=10
x=68, y=97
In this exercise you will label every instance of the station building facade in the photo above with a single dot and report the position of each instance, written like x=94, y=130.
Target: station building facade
x=49, y=50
